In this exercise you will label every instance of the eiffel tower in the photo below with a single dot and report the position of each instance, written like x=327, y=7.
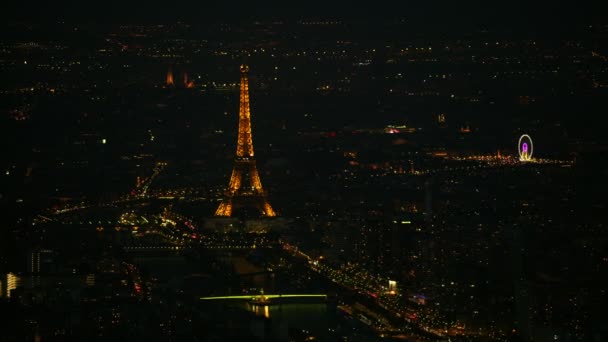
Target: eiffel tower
x=245, y=188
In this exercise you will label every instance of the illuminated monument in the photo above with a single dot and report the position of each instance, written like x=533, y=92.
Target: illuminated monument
x=245, y=188
x=169, y=78
x=187, y=83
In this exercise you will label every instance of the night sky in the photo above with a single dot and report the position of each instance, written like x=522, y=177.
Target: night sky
x=536, y=15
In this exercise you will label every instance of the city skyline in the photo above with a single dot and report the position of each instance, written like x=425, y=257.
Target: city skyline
x=431, y=172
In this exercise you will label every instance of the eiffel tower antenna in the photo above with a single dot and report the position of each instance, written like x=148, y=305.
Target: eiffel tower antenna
x=245, y=187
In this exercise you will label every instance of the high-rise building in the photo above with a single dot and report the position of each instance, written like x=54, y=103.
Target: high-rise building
x=33, y=265
x=12, y=281
x=40, y=261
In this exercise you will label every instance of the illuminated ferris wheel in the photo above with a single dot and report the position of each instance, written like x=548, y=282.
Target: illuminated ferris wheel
x=525, y=148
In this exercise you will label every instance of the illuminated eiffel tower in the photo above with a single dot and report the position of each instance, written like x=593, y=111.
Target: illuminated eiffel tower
x=245, y=187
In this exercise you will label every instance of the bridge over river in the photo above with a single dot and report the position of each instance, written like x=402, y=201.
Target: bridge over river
x=269, y=299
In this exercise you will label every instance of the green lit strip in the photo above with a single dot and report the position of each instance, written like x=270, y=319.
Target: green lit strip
x=227, y=297
x=297, y=296
x=267, y=296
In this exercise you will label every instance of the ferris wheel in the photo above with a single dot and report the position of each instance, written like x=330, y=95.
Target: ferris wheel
x=525, y=148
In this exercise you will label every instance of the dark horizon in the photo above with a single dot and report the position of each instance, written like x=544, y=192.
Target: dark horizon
x=542, y=15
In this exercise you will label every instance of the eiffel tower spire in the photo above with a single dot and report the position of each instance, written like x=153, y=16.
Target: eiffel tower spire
x=245, y=187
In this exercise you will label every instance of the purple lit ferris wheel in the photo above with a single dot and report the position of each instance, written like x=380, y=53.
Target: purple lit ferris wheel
x=525, y=148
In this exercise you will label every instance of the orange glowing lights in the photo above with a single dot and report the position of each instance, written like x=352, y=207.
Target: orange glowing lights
x=169, y=80
x=245, y=184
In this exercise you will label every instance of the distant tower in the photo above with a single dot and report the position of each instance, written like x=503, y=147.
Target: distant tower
x=187, y=84
x=170, y=77
x=245, y=187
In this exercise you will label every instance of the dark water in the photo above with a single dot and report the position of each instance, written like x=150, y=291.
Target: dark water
x=316, y=318
x=169, y=266
x=321, y=320
x=309, y=319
